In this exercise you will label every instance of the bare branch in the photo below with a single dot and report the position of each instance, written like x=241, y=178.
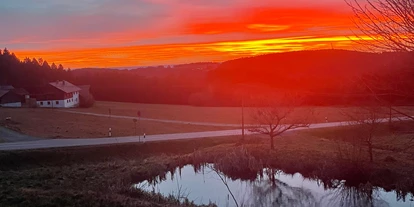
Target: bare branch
x=275, y=115
x=385, y=25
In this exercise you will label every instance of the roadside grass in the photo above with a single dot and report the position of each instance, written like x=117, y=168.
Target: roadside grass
x=398, y=137
x=226, y=115
x=51, y=123
x=103, y=175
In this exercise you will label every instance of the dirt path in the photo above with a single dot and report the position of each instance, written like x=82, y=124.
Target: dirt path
x=157, y=120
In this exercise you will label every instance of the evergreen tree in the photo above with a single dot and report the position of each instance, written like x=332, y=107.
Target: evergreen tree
x=35, y=63
x=27, y=60
x=45, y=65
x=40, y=61
x=60, y=67
x=53, y=66
x=6, y=51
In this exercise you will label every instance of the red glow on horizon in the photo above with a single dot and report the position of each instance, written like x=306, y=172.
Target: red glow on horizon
x=247, y=32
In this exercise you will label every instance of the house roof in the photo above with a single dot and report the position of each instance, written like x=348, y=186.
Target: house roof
x=2, y=92
x=20, y=91
x=6, y=87
x=65, y=86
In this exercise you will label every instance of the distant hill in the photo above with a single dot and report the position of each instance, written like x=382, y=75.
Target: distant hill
x=195, y=70
x=310, y=70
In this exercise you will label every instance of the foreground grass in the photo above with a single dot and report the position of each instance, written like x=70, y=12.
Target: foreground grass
x=52, y=123
x=227, y=115
x=102, y=176
x=90, y=176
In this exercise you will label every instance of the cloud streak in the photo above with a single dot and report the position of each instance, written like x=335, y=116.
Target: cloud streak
x=143, y=32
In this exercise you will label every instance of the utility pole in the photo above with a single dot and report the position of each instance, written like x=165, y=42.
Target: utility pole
x=135, y=124
x=139, y=125
x=242, y=104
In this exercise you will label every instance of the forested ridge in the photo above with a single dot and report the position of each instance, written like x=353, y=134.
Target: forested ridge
x=325, y=77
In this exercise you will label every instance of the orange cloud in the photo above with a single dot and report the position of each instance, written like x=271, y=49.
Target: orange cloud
x=192, y=32
x=184, y=53
x=268, y=27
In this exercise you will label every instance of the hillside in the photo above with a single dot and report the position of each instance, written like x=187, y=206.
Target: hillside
x=197, y=70
x=319, y=72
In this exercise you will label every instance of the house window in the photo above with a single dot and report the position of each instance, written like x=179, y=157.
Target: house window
x=57, y=102
x=41, y=103
x=48, y=103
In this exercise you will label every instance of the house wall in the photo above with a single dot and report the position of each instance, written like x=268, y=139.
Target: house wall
x=12, y=105
x=72, y=102
x=65, y=103
x=50, y=104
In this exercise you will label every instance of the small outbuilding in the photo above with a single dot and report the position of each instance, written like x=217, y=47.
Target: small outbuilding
x=13, y=98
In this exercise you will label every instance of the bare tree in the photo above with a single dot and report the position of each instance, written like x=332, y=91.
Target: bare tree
x=275, y=116
x=366, y=122
x=385, y=24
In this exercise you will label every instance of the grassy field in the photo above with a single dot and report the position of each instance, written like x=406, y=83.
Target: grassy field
x=102, y=176
x=50, y=123
x=228, y=115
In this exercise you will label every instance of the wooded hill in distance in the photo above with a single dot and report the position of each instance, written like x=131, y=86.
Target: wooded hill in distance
x=325, y=77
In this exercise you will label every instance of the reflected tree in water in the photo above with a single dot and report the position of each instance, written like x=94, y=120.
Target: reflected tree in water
x=272, y=192
x=364, y=195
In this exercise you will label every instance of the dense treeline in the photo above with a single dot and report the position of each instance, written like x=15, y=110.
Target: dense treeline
x=28, y=72
x=325, y=77
x=163, y=85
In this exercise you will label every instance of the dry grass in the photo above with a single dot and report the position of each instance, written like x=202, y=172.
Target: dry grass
x=227, y=115
x=398, y=138
x=50, y=123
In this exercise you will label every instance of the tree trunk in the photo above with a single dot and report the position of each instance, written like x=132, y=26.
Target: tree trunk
x=272, y=146
x=390, y=118
x=272, y=177
x=371, y=157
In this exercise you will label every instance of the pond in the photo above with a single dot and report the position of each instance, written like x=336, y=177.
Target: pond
x=270, y=188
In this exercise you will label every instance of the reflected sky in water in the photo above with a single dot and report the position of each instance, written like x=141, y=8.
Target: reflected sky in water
x=273, y=188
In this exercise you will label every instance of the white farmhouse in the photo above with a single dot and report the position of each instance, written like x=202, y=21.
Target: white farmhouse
x=59, y=94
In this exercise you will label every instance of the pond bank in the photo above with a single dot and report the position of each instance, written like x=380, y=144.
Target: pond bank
x=102, y=176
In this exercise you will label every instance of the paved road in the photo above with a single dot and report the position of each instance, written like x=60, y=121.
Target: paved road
x=8, y=135
x=55, y=143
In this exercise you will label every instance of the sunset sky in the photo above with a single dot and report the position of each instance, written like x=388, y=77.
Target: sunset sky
x=112, y=33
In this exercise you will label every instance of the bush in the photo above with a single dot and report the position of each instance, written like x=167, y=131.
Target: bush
x=87, y=102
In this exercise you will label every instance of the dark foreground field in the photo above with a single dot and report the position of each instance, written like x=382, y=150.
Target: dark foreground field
x=103, y=176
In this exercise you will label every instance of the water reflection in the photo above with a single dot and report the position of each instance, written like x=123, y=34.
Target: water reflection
x=204, y=184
